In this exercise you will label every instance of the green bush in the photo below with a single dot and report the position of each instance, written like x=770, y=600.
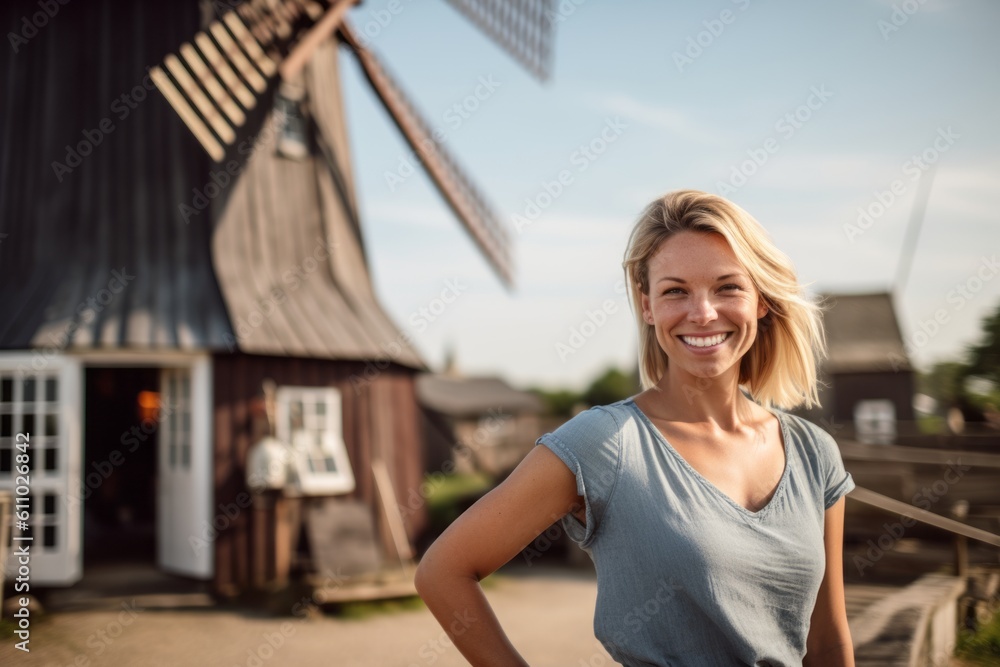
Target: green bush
x=983, y=646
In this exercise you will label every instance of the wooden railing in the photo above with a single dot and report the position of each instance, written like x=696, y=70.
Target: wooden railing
x=963, y=532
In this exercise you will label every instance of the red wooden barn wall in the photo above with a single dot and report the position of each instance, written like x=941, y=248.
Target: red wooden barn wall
x=379, y=415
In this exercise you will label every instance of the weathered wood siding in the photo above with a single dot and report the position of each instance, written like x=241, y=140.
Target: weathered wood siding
x=380, y=417
x=850, y=388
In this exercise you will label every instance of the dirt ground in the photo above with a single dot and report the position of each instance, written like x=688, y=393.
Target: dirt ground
x=547, y=613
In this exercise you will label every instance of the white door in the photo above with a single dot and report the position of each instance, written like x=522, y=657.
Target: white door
x=185, y=537
x=40, y=408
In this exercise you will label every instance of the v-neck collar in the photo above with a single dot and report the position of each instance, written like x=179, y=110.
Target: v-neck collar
x=759, y=514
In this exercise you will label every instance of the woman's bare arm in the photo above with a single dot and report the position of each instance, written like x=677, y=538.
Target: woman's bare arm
x=829, y=642
x=504, y=521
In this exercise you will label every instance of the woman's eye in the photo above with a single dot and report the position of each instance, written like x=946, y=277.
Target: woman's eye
x=725, y=287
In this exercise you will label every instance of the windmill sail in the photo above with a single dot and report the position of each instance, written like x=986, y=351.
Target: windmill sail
x=235, y=57
x=522, y=28
x=216, y=80
x=458, y=190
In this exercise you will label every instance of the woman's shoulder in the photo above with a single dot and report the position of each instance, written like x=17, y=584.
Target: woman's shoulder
x=595, y=428
x=598, y=418
x=813, y=441
x=805, y=428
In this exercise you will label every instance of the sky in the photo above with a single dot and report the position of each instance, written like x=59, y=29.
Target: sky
x=807, y=115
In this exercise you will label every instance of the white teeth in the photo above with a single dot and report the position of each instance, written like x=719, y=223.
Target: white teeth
x=702, y=341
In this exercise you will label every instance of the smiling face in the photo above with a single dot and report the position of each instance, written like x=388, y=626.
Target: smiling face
x=702, y=304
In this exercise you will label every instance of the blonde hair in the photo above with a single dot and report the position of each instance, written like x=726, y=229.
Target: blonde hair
x=779, y=370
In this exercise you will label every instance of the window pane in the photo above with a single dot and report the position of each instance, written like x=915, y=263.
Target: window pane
x=185, y=387
x=173, y=454
x=6, y=390
x=51, y=395
x=186, y=455
x=50, y=503
x=51, y=424
x=320, y=408
x=29, y=390
x=6, y=426
x=331, y=466
x=28, y=424
x=49, y=540
x=6, y=458
x=51, y=459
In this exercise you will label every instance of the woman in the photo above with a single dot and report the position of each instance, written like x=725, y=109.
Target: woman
x=714, y=518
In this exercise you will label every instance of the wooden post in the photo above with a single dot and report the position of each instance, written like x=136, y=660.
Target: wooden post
x=261, y=535
x=283, y=528
x=959, y=511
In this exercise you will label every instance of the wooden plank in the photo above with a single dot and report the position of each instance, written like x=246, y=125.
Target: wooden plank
x=303, y=51
x=212, y=84
x=237, y=58
x=342, y=536
x=208, y=110
x=249, y=44
x=221, y=66
x=361, y=592
x=260, y=516
x=856, y=450
x=390, y=508
x=905, y=509
x=187, y=114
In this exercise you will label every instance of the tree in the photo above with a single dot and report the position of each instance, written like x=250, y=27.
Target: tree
x=984, y=356
x=944, y=382
x=558, y=403
x=613, y=385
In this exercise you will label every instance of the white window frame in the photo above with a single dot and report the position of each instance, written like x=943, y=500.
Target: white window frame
x=63, y=564
x=875, y=421
x=306, y=481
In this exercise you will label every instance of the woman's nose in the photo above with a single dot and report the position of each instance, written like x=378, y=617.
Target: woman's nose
x=702, y=310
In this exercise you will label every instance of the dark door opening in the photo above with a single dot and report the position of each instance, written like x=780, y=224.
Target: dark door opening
x=118, y=484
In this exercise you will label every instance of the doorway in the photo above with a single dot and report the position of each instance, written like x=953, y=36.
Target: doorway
x=119, y=465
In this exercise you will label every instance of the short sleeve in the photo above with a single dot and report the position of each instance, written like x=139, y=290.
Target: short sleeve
x=590, y=446
x=839, y=482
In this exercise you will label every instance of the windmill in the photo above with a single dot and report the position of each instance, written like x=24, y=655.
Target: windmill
x=226, y=70
x=191, y=244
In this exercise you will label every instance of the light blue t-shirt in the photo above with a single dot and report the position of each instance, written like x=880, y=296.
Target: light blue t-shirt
x=687, y=577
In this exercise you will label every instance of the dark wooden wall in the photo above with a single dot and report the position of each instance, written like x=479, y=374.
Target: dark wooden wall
x=849, y=388
x=380, y=416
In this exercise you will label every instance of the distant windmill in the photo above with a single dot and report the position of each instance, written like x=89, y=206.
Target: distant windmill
x=214, y=82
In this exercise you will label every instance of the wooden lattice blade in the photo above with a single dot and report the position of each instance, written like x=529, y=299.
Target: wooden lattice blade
x=459, y=192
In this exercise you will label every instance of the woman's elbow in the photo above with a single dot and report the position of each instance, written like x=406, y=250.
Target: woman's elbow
x=432, y=571
x=424, y=578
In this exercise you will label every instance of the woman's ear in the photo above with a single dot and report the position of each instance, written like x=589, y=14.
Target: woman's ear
x=647, y=314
